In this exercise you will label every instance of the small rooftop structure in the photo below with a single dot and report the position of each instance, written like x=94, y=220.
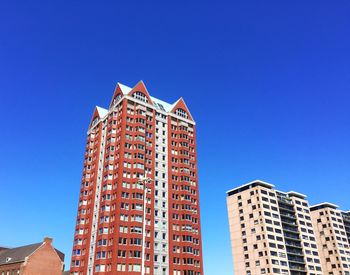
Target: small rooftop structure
x=248, y=186
x=296, y=194
x=255, y=183
x=323, y=205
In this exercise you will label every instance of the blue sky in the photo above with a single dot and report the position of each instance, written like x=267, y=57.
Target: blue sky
x=268, y=83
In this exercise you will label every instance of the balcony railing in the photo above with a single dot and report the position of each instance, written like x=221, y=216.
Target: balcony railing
x=288, y=221
x=294, y=251
x=289, y=228
x=284, y=214
x=291, y=236
x=293, y=244
x=297, y=267
x=296, y=259
x=285, y=201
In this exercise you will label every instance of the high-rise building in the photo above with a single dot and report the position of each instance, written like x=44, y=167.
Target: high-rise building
x=138, y=209
x=332, y=228
x=271, y=231
x=274, y=232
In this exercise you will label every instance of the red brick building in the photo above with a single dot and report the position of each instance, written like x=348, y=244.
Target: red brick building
x=34, y=259
x=138, y=209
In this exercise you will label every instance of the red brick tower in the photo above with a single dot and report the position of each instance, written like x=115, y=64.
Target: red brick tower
x=139, y=186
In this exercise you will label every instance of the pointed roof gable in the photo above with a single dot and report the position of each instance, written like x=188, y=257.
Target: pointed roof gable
x=101, y=111
x=98, y=114
x=117, y=91
x=120, y=89
x=180, y=104
x=140, y=87
x=125, y=89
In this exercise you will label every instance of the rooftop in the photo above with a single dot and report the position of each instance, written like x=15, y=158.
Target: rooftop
x=102, y=111
x=159, y=104
x=323, y=205
x=248, y=186
x=263, y=184
x=296, y=194
x=18, y=254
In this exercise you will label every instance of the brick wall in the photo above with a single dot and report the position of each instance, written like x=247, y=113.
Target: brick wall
x=9, y=268
x=44, y=261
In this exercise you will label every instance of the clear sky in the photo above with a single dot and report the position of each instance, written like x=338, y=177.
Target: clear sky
x=268, y=83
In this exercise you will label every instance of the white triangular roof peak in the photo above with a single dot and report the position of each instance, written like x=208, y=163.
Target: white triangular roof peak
x=101, y=111
x=125, y=89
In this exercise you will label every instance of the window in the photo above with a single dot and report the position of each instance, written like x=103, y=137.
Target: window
x=159, y=106
x=121, y=267
x=181, y=112
x=116, y=99
x=140, y=96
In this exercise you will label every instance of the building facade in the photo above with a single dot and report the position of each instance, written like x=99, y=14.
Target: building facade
x=138, y=210
x=274, y=232
x=34, y=259
x=332, y=234
x=271, y=231
x=346, y=221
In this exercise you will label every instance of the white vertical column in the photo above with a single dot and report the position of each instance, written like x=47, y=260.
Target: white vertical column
x=95, y=218
x=161, y=197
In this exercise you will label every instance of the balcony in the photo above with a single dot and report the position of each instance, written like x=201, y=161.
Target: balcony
x=296, y=259
x=290, y=229
x=296, y=267
x=291, y=236
x=293, y=244
x=285, y=208
x=288, y=215
x=289, y=221
x=293, y=251
x=284, y=201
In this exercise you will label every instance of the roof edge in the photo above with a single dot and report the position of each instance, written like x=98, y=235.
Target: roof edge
x=297, y=194
x=325, y=204
x=260, y=182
